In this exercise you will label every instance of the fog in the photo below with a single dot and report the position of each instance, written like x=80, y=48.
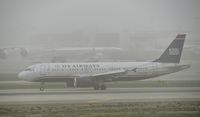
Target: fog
x=141, y=28
x=22, y=20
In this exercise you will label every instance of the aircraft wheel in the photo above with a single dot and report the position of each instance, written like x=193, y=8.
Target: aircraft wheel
x=96, y=87
x=41, y=88
x=103, y=87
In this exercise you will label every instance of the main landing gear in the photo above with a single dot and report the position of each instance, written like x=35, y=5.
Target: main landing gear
x=99, y=85
x=71, y=83
x=42, y=86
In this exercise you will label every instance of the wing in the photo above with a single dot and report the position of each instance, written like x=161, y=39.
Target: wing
x=110, y=73
x=106, y=76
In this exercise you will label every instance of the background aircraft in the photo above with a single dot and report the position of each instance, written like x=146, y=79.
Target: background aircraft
x=60, y=54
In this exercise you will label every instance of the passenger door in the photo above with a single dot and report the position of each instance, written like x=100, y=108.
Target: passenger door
x=43, y=70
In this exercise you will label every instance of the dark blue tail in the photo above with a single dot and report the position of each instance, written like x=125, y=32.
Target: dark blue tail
x=173, y=53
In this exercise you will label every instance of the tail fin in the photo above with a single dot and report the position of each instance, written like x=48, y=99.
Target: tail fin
x=173, y=53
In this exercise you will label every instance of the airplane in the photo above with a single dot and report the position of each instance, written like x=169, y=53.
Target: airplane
x=97, y=73
x=59, y=54
x=5, y=51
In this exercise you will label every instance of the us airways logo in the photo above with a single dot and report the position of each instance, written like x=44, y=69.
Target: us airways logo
x=174, y=51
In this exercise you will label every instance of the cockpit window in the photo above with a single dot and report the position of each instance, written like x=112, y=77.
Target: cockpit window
x=29, y=69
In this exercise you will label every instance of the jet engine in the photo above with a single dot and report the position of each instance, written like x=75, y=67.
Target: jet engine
x=23, y=52
x=3, y=54
x=79, y=82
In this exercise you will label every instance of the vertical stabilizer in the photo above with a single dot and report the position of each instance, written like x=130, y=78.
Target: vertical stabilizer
x=173, y=53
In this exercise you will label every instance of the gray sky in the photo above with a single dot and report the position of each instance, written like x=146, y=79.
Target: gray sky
x=22, y=19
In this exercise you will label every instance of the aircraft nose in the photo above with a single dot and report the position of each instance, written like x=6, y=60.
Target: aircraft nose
x=21, y=75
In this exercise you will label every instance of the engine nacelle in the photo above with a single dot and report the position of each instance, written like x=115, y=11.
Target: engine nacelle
x=23, y=52
x=79, y=82
x=3, y=54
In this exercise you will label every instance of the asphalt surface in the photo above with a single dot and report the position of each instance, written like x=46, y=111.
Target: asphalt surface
x=88, y=95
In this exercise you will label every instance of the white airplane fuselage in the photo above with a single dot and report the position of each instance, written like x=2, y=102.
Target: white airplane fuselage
x=97, y=73
x=60, y=72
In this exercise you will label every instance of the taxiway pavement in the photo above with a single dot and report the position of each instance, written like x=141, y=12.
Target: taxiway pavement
x=88, y=95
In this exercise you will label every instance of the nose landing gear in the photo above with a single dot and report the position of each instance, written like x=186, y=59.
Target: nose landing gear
x=42, y=86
